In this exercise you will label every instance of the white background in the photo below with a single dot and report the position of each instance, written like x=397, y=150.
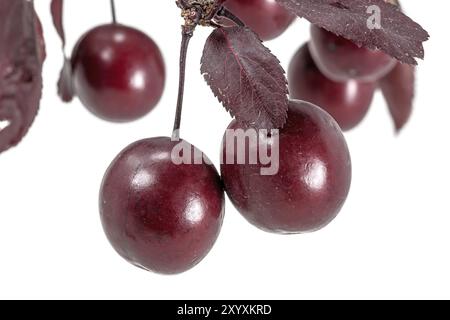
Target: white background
x=390, y=241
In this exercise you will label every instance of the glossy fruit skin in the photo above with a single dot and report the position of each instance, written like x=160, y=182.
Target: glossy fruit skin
x=347, y=102
x=266, y=17
x=313, y=180
x=158, y=215
x=340, y=59
x=118, y=72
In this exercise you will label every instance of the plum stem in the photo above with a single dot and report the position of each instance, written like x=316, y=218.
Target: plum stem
x=113, y=11
x=187, y=33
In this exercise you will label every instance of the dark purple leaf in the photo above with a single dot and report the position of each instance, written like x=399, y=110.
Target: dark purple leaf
x=398, y=35
x=398, y=89
x=65, y=86
x=57, y=7
x=22, y=54
x=246, y=77
x=65, y=83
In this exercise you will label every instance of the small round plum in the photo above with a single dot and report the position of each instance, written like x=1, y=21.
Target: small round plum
x=340, y=59
x=312, y=181
x=348, y=102
x=159, y=215
x=118, y=72
x=266, y=17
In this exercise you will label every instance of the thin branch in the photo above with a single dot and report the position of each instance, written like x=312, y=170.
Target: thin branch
x=187, y=33
x=113, y=11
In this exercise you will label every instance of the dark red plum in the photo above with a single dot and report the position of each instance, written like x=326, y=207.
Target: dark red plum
x=312, y=182
x=118, y=72
x=340, y=59
x=158, y=215
x=266, y=17
x=348, y=102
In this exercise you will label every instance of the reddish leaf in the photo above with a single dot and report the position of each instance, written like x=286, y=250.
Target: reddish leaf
x=246, y=77
x=57, y=8
x=42, y=54
x=65, y=86
x=65, y=83
x=399, y=36
x=398, y=90
x=11, y=124
x=22, y=53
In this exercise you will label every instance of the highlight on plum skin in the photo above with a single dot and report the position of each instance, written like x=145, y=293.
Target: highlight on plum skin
x=347, y=102
x=158, y=215
x=118, y=72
